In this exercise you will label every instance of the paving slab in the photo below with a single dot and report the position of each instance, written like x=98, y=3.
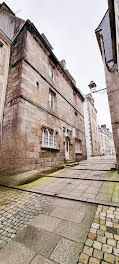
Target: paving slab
x=66, y=252
x=41, y=260
x=57, y=229
x=15, y=253
x=67, y=214
x=38, y=240
x=46, y=222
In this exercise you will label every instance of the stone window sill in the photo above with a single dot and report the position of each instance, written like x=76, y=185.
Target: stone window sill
x=79, y=152
x=50, y=148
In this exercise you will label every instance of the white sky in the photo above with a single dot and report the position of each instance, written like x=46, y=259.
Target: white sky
x=70, y=28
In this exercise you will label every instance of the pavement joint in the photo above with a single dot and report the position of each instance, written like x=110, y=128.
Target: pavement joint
x=75, y=198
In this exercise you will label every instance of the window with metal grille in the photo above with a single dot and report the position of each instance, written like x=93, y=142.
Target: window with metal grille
x=48, y=138
x=51, y=71
x=51, y=99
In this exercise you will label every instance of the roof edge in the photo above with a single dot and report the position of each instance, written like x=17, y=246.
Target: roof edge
x=4, y=4
x=98, y=28
x=29, y=24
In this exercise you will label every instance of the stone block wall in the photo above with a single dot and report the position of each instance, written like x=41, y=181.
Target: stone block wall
x=27, y=110
x=112, y=81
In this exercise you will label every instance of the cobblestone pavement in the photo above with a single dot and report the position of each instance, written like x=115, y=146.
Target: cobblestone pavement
x=102, y=243
x=17, y=208
x=53, y=230
x=42, y=230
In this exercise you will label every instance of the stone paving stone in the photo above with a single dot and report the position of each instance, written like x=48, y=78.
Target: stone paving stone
x=94, y=261
x=84, y=258
x=98, y=254
x=38, y=240
x=66, y=252
x=41, y=260
x=70, y=230
x=107, y=248
x=109, y=258
x=89, y=242
x=45, y=222
x=101, y=239
x=97, y=245
x=72, y=205
x=103, y=242
x=88, y=250
x=15, y=253
x=67, y=214
x=19, y=208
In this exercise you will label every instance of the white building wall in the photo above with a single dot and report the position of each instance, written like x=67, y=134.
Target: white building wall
x=87, y=129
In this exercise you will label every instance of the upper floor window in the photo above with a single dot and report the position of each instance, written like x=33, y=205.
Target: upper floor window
x=51, y=71
x=51, y=98
x=74, y=98
x=76, y=118
x=1, y=47
x=48, y=138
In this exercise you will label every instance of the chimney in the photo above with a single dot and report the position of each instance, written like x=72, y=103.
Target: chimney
x=63, y=62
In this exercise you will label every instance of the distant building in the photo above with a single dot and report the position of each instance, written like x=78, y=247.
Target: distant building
x=108, y=39
x=91, y=127
x=41, y=108
x=106, y=142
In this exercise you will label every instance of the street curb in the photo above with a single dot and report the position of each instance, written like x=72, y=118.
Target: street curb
x=73, y=198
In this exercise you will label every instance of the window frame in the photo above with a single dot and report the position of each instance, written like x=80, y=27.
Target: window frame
x=51, y=99
x=1, y=47
x=78, y=146
x=51, y=71
x=50, y=140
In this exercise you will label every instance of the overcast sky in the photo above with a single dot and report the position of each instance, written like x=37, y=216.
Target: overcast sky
x=70, y=27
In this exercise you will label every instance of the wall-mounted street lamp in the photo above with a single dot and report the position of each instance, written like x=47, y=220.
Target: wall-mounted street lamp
x=92, y=85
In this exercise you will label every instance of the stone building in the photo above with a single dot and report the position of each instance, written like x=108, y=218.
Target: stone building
x=106, y=141
x=108, y=39
x=91, y=127
x=4, y=64
x=43, y=119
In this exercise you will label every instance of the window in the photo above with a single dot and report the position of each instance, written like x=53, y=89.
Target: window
x=76, y=118
x=51, y=71
x=74, y=98
x=78, y=145
x=1, y=46
x=37, y=85
x=51, y=98
x=48, y=138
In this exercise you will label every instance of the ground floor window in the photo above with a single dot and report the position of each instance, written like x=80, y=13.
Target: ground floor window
x=48, y=138
x=78, y=146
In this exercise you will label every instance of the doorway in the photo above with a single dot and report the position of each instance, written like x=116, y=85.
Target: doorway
x=67, y=149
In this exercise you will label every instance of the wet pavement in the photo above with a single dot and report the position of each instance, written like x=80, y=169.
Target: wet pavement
x=48, y=229
x=97, y=186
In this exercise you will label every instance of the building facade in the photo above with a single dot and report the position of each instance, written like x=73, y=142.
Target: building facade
x=106, y=142
x=43, y=119
x=108, y=39
x=4, y=65
x=91, y=127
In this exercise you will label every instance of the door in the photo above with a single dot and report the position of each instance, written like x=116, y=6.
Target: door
x=67, y=149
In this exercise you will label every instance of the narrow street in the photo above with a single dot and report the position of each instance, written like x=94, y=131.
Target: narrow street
x=56, y=219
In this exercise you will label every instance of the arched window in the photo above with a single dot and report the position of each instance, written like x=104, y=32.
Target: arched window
x=48, y=138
